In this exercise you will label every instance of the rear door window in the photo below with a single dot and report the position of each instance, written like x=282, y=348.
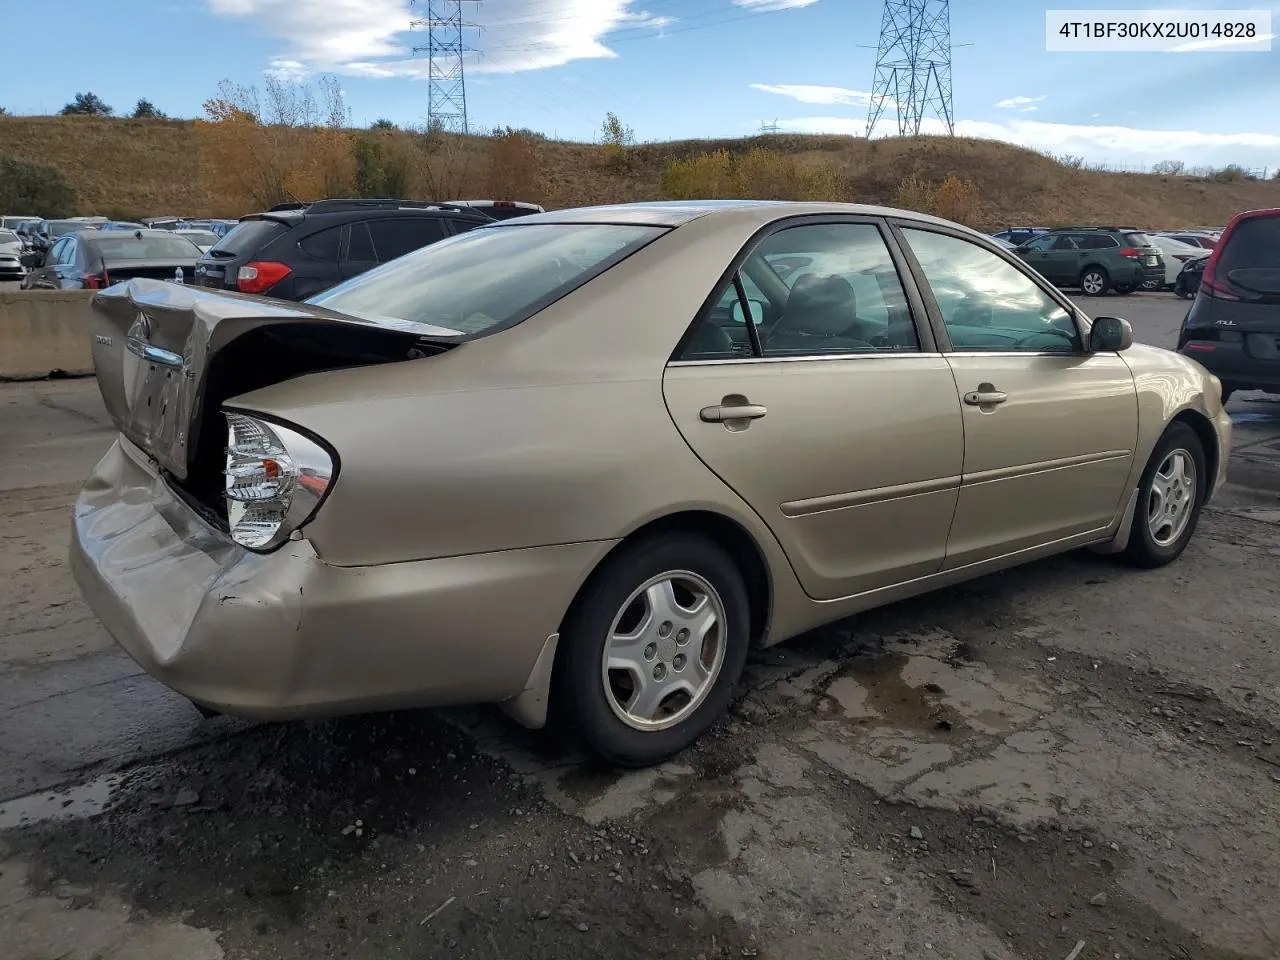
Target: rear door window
x=360, y=245
x=394, y=238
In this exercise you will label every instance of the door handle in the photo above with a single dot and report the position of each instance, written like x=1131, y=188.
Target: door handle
x=729, y=411
x=981, y=398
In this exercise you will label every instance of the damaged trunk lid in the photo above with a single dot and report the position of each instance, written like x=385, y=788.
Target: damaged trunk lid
x=167, y=356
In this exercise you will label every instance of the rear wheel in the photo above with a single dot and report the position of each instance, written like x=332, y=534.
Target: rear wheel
x=1150, y=285
x=1123, y=288
x=1094, y=281
x=652, y=649
x=1170, y=495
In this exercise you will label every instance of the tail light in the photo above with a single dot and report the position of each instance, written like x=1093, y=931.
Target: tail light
x=1210, y=286
x=94, y=281
x=260, y=276
x=276, y=479
x=1133, y=253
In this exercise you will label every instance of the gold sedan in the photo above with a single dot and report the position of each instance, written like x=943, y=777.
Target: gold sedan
x=576, y=463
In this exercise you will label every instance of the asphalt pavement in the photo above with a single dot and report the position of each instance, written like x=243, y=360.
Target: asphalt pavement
x=1068, y=751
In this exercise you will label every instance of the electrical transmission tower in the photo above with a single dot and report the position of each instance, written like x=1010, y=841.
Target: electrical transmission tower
x=913, y=65
x=446, y=76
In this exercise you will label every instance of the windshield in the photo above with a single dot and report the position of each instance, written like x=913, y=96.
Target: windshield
x=206, y=237
x=488, y=278
x=128, y=247
x=58, y=228
x=8, y=236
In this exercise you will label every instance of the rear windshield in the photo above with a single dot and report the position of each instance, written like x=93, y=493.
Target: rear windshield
x=199, y=236
x=1254, y=243
x=488, y=278
x=58, y=228
x=1138, y=240
x=248, y=237
x=124, y=246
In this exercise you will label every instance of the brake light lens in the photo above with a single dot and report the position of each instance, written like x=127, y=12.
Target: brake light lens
x=275, y=480
x=1132, y=253
x=260, y=276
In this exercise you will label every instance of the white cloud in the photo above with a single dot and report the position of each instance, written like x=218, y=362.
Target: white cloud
x=1096, y=143
x=773, y=4
x=372, y=38
x=816, y=93
x=1022, y=103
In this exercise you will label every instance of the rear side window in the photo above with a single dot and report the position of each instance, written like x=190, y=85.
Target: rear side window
x=394, y=238
x=1254, y=243
x=454, y=284
x=322, y=245
x=1099, y=241
x=248, y=237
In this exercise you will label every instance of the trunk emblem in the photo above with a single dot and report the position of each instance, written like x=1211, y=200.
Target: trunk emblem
x=1226, y=323
x=105, y=341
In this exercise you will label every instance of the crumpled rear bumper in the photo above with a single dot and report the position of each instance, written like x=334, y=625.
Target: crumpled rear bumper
x=285, y=634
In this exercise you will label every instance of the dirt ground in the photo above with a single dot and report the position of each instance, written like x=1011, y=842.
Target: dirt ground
x=1071, y=751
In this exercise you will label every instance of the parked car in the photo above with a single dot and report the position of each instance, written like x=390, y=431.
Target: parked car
x=1096, y=259
x=49, y=231
x=121, y=225
x=11, y=267
x=1176, y=255
x=94, y=259
x=584, y=459
x=1233, y=326
x=162, y=223
x=297, y=250
x=204, y=239
x=1005, y=244
x=1193, y=238
x=222, y=227
x=1188, y=280
x=10, y=222
x=1020, y=235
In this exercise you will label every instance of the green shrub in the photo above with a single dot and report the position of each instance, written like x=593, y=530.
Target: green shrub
x=35, y=188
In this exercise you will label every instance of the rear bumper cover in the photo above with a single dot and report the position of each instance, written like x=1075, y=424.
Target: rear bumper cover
x=285, y=634
x=1231, y=363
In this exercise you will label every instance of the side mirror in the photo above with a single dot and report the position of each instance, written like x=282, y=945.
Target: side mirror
x=757, y=311
x=1110, y=334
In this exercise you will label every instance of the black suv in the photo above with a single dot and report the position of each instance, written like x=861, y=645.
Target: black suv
x=1233, y=326
x=294, y=251
x=1095, y=259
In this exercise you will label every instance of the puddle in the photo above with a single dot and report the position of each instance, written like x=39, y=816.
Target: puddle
x=86, y=800
x=873, y=690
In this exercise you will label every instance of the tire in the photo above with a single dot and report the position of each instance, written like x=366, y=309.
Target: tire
x=1146, y=549
x=1180, y=292
x=593, y=702
x=1152, y=285
x=1123, y=289
x=1096, y=278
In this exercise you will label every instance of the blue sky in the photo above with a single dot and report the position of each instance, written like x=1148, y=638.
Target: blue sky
x=668, y=68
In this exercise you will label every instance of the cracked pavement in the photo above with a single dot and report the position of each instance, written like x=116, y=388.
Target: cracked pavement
x=1069, y=751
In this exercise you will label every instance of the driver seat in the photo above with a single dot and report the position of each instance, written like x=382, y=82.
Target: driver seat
x=817, y=307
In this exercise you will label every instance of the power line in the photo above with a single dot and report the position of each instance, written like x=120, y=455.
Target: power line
x=446, y=72
x=913, y=65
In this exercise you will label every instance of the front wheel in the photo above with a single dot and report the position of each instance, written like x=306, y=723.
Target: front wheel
x=1094, y=281
x=1170, y=495
x=651, y=651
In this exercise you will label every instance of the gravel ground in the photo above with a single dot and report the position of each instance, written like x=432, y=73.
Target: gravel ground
x=1071, y=751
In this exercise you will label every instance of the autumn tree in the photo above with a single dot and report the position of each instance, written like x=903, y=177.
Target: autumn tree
x=513, y=165
x=284, y=144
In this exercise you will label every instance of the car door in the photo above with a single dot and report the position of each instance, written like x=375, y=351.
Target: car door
x=820, y=401
x=394, y=237
x=316, y=269
x=1036, y=253
x=45, y=277
x=1050, y=428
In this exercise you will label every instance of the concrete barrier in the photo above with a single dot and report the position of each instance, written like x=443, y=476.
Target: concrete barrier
x=45, y=332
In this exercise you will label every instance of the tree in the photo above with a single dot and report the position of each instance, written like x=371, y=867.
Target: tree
x=383, y=124
x=615, y=138
x=3, y=112
x=260, y=151
x=146, y=110
x=37, y=187
x=86, y=105
x=513, y=165
x=1169, y=168
x=383, y=165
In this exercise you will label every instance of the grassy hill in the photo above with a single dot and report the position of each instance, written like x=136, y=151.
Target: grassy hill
x=131, y=168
